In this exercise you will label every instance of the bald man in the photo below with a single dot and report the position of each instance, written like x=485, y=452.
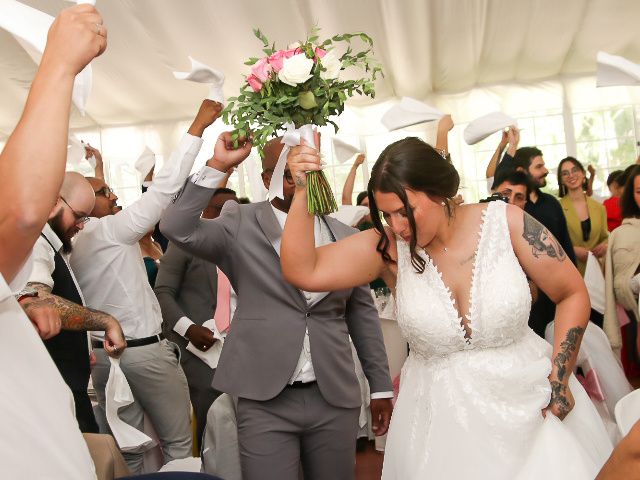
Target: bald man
x=52, y=284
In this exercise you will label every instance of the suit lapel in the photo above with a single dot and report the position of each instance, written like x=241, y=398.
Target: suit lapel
x=271, y=229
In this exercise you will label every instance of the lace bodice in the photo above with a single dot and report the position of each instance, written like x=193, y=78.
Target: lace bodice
x=499, y=296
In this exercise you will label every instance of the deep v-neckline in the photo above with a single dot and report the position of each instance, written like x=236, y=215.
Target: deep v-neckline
x=459, y=320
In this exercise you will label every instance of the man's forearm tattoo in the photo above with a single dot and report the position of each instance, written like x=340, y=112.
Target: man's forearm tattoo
x=541, y=240
x=568, y=347
x=72, y=316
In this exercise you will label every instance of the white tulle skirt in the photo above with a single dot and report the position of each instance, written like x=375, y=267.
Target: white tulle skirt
x=476, y=414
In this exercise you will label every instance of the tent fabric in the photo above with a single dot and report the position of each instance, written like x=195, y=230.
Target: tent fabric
x=428, y=48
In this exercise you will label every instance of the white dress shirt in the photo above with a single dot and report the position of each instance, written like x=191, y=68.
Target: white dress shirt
x=36, y=404
x=210, y=178
x=106, y=258
x=43, y=258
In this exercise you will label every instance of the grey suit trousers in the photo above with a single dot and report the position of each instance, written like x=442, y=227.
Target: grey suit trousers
x=160, y=390
x=296, y=426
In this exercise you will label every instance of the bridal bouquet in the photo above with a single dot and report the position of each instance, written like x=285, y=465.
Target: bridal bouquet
x=296, y=89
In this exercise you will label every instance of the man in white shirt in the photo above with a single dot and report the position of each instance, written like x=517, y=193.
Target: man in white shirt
x=108, y=265
x=54, y=285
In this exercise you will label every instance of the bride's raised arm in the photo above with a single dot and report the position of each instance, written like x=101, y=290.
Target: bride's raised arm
x=548, y=266
x=344, y=264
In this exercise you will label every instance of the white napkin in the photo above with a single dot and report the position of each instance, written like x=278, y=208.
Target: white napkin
x=30, y=27
x=75, y=151
x=594, y=280
x=211, y=356
x=613, y=70
x=256, y=185
x=409, y=112
x=482, y=127
x=145, y=161
x=202, y=73
x=292, y=137
x=118, y=394
x=342, y=150
x=350, y=214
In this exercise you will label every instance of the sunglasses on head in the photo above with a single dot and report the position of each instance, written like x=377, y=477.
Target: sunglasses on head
x=104, y=191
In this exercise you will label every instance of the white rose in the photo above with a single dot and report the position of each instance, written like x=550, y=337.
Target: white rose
x=296, y=69
x=332, y=64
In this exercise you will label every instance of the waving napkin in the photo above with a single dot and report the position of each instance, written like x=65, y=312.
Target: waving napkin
x=75, y=151
x=482, y=127
x=409, y=112
x=145, y=161
x=350, y=214
x=202, y=73
x=342, y=150
x=118, y=395
x=613, y=70
x=211, y=356
x=30, y=27
x=258, y=190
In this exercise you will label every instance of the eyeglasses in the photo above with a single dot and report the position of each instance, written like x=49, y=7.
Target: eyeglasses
x=104, y=191
x=568, y=173
x=80, y=218
x=287, y=175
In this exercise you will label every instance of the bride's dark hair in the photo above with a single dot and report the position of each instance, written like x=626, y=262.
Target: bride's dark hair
x=414, y=164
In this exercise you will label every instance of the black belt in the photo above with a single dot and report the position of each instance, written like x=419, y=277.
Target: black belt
x=301, y=384
x=136, y=342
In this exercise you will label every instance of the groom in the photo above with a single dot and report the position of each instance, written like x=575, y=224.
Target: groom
x=287, y=357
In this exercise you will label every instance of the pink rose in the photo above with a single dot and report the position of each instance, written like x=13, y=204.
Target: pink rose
x=261, y=70
x=320, y=52
x=277, y=58
x=254, y=82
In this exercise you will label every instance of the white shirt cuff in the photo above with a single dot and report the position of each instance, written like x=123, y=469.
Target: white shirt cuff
x=375, y=396
x=182, y=325
x=208, y=177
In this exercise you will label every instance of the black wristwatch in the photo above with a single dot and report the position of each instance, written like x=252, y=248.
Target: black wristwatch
x=26, y=293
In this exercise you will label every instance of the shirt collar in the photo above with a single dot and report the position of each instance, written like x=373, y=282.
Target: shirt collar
x=50, y=235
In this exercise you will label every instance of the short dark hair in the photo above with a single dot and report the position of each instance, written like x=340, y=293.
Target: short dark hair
x=613, y=177
x=524, y=155
x=361, y=196
x=628, y=205
x=244, y=200
x=514, y=177
x=220, y=191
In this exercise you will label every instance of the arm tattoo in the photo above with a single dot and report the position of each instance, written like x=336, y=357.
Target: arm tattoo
x=541, y=240
x=559, y=399
x=300, y=180
x=72, y=316
x=568, y=347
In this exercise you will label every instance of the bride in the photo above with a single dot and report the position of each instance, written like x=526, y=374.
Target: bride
x=481, y=395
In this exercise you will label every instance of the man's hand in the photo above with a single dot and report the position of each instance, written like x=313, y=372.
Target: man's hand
x=76, y=37
x=513, y=136
x=114, y=342
x=208, y=113
x=45, y=317
x=89, y=151
x=504, y=140
x=225, y=156
x=381, y=409
x=201, y=337
x=359, y=160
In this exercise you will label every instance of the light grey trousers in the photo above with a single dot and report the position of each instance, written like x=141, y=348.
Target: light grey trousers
x=298, y=427
x=160, y=389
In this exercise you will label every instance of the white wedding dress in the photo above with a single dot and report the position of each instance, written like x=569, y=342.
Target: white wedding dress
x=471, y=408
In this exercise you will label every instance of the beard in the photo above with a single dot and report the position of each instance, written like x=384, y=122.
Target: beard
x=57, y=226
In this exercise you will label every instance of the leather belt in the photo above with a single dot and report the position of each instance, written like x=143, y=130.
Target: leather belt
x=301, y=384
x=136, y=342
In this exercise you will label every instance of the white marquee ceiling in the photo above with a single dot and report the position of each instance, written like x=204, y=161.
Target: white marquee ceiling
x=427, y=47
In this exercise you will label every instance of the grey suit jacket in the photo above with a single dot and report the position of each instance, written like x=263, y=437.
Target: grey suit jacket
x=186, y=286
x=262, y=349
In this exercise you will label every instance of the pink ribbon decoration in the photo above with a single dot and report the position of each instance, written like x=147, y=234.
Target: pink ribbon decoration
x=592, y=385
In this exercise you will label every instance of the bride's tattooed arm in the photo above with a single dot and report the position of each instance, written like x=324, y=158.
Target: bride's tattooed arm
x=561, y=398
x=541, y=240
